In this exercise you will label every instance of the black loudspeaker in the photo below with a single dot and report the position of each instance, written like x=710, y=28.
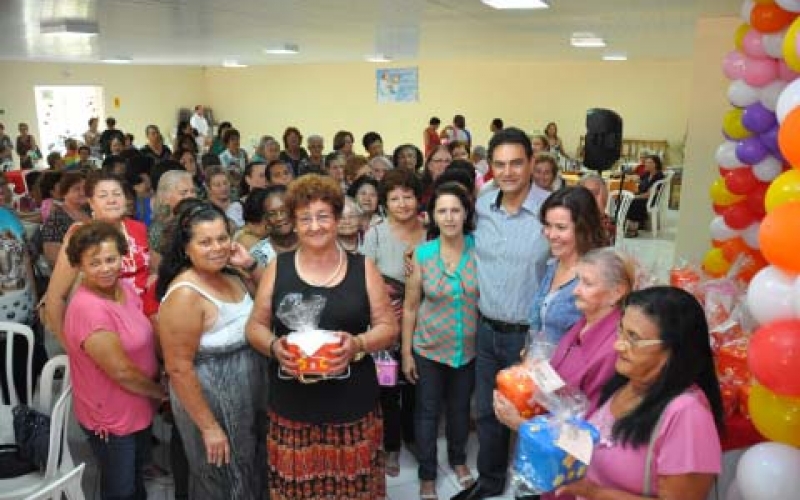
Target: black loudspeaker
x=603, y=139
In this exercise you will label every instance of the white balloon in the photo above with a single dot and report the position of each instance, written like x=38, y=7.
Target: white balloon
x=770, y=294
x=773, y=43
x=747, y=9
x=771, y=93
x=720, y=231
x=769, y=471
x=767, y=169
x=750, y=235
x=741, y=94
x=790, y=5
x=789, y=99
x=726, y=155
x=734, y=493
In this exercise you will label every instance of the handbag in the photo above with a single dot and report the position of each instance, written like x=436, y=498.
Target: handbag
x=12, y=464
x=32, y=433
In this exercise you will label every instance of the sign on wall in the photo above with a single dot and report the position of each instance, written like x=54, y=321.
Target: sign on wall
x=397, y=85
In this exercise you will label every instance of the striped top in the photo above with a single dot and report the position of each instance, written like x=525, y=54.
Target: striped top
x=447, y=320
x=512, y=254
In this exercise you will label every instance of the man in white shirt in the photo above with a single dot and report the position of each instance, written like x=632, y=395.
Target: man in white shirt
x=199, y=123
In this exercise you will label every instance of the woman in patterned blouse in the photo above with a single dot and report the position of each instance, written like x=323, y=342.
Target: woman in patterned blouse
x=440, y=316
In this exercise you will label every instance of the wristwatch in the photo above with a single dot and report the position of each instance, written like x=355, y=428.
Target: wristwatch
x=361, y=349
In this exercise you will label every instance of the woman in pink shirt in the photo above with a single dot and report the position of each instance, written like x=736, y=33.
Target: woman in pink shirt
x=661, y=413
x=112, y=358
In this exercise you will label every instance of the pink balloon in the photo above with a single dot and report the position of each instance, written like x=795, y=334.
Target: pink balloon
x=760, y=72
x=786, y=73
x=734, y=65
x=753, y=44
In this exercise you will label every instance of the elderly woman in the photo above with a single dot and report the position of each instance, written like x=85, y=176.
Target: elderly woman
x=293, y=152
x=316, y=430
x=218, y=187
x=439, y=355
x=379, y=166
x=350, y=226
x=365, y=191
x=112, y=358
x=282, y=235
x=215, y=378
x=637, y=213
x=435, y=165
x=597, y=186
x=63, y=215
x=386, y=245
x=572, y=227
x=545, y=173
x=173, y=186
x=107, y=201
x=660, y=415
x=334, y=165
x=253, y=236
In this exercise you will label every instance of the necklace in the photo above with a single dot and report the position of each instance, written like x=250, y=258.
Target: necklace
x=332, y=277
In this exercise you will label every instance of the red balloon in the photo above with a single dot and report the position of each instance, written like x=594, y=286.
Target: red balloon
x=718, y=209
x=725, y=171
x=755, y=200
x=774, y=356
x=741, y=180
x=738, y=216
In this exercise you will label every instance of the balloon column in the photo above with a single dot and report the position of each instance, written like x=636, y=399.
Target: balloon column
x=757, y=202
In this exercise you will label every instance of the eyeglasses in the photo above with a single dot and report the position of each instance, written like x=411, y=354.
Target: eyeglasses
x=322, y=219
x=635, y=344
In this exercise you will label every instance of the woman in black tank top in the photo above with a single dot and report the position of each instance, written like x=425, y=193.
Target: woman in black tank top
x=325, y=437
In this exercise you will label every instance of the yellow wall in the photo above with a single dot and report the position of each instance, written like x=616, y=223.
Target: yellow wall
x=651, y=97
x=148, y=94
x=708, y=103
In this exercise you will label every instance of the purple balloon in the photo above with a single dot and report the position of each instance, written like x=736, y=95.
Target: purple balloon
x=769, y=140
x=758, y=119
x=750, y=151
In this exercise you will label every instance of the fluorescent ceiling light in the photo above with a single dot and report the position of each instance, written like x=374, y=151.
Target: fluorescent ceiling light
x=615, y=56
x=517, y=4
x=232, y=63
x=65, y=26
x=285, y=49
x=586, y=40
x=378, y=58
x=117, y=60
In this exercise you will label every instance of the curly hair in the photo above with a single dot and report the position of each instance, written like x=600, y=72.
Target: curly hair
x=399, y=178
x=91, y=235
x=313, y=187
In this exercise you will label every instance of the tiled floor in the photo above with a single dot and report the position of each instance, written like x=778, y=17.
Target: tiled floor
x=655, y=255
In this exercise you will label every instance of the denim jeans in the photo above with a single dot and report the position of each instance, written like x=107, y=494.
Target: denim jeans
x=438, y=381
x=495, y=351
x=121, y=460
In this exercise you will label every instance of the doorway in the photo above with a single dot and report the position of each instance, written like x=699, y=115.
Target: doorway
x=63, y=112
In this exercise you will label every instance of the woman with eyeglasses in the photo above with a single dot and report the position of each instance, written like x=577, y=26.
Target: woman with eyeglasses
x=216, y=380
x=440, y=322
x=325, y=437
x=435, y=165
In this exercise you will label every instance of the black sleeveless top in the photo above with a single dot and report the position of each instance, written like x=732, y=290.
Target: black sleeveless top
x=346, y=309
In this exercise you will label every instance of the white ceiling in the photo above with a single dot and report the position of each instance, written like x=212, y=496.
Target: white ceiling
x=206, y=32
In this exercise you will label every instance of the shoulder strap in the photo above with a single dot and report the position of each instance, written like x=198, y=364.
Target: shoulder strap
x=194, y=287
x=648, y=463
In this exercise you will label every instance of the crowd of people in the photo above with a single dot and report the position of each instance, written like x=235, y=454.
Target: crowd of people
x=166, y=271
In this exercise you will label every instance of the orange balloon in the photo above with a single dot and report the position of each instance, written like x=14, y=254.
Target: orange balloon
x=752, y=265
x=778, y=237
x=787, y=137
x=769, y=18
x=732, y=248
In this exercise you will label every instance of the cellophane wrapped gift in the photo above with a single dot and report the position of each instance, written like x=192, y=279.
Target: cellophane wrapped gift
x=517, y=383
x=312, y=346
x=554, y=449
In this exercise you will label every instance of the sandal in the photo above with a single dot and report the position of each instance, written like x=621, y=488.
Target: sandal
x=464, y=476
x=393, y=463
x=428, y=495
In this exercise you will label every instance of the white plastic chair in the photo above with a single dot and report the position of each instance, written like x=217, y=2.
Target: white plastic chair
x=12, y=331
x=19, y=488
x=68, y=484
x=657, y=201
x=622, y=215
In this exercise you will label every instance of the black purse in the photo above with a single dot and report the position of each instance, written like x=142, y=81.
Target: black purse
x=12, y=464
x=32, y=433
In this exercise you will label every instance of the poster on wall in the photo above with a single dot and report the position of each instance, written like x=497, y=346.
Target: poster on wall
x=397, y=85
